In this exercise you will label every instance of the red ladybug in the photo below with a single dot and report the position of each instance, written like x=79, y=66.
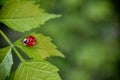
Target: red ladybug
x=29, y=41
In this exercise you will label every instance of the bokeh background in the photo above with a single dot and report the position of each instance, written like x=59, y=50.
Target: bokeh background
x=87, y=34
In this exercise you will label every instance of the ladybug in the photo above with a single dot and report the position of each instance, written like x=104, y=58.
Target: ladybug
x=29, y=41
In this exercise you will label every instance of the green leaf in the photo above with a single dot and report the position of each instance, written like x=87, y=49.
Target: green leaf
x=23, y=15
x=43, y=48
x=6, y=62
x=36, y=70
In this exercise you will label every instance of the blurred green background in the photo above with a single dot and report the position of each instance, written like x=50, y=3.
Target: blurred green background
x=87, y=34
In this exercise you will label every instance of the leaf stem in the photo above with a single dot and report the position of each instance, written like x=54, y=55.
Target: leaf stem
x=10, y=43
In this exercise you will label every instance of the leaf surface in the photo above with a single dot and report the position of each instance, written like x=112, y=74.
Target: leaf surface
x=43, y=48
x=6, y=60
x=36, y=70
x=23, y=15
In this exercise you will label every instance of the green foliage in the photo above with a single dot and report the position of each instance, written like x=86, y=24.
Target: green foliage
x=39, y=70
x=86, y=33
x=6, y=60
x=22, y=16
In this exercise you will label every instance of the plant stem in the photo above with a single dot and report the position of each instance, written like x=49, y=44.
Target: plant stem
x=10, y=43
